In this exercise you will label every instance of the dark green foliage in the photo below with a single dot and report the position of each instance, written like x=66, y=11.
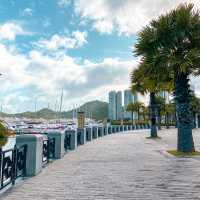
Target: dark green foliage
x=98, y=109
x=135, y=107
x=3, y=131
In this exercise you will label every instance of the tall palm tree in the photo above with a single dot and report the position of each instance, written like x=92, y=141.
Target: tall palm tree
x=172, y=43
x=134, y=107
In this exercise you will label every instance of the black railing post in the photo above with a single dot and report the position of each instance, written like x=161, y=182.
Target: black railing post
x=48, y=150
x=2, y=170
x=1, y=161
x=14, y=165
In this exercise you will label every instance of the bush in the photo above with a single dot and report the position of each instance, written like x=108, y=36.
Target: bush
x=3, y=131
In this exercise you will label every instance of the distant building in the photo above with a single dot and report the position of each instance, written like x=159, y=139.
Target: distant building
x=119, y=108
x=116, y=110
x=112, y=112
x=128, y=98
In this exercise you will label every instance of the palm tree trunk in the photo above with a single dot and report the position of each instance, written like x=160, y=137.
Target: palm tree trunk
x=132, y=117
x=167, y=121
x=159, y=119
x=153, y=114
x=184, y=113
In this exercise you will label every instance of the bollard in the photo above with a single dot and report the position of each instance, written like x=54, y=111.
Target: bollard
x=34, y=153
x=81, y=136
x=73, y=139
x=106, y=130
x=94, y=132
x=125, y=128
x=109, y=130
x=100, y=131
x=59, y=137
x=113, y=129
x=88, y=134
x=143, y=127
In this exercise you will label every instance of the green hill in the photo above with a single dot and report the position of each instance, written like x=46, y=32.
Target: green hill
x=98, y=110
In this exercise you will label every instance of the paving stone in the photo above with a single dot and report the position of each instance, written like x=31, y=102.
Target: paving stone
x=117, y=167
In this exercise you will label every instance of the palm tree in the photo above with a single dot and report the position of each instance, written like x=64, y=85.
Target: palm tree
x=145, y=80
x=134, y=107
x=160, y=101
x=172, y=43
x=145, y=113
x=168, y=110
x=195, y=104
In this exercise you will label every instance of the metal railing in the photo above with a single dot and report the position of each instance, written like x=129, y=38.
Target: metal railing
x=12, y=165
x=48, y=150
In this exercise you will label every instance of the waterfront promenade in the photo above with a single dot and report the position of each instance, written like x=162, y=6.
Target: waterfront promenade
x=119, y=166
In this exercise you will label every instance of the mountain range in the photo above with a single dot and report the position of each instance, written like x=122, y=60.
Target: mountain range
x=97, y=109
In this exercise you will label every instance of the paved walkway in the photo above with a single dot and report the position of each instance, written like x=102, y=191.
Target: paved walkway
x=119, y=166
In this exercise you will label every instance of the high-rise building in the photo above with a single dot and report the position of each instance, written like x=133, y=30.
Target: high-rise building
x=112, y=112
x=119, y=108
x=116, y=111
x=128, y=98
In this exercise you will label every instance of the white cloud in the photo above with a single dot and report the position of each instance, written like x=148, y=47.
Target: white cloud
x=27, y=12
x=10, y=30
x=80, y=38
x=43, y=77
x=104, y=26
x=124, y=16
x=76, y=40
x=63, y=3
x=13, y=68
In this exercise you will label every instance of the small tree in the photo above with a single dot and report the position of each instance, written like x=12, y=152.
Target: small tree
x=134, y=107
x=169, y=109
x=195, y=106
x=146, y=81
x=160, y=102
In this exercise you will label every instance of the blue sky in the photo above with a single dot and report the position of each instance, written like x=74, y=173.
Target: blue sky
x=84, y=47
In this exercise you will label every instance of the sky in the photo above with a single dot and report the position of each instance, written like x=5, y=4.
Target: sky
x=84, y=47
